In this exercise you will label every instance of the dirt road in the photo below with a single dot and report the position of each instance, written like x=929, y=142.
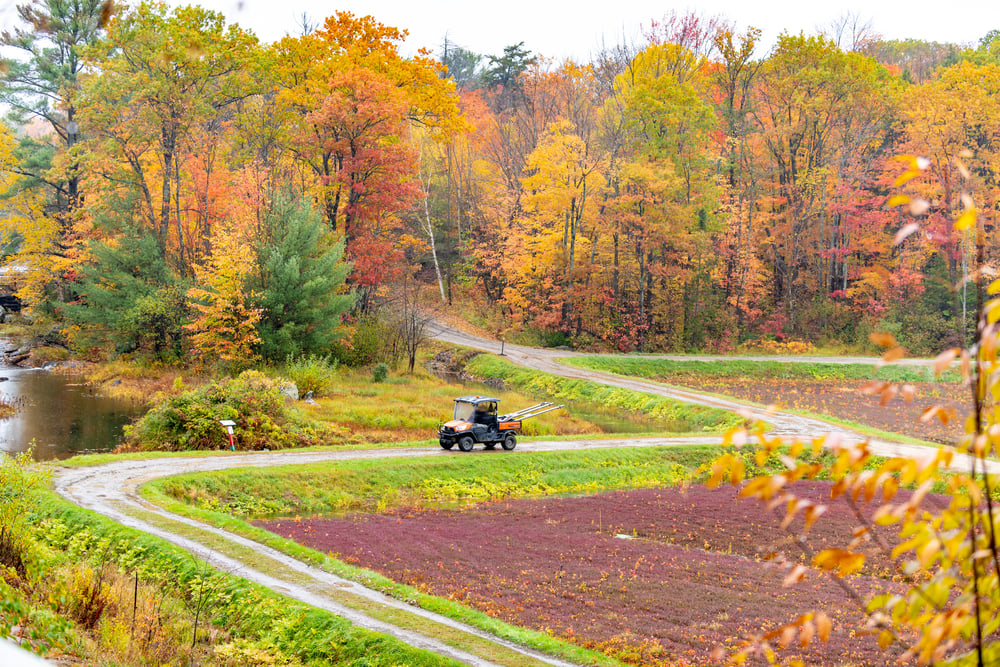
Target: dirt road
x=112, y=490
x=785, y=424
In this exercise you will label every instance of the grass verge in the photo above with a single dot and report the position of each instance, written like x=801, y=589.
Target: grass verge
x=664, y=368
x=244, y=619
x=673, y=416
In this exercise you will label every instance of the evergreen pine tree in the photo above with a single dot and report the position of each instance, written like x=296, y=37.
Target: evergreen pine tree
x=130, y=299
x=300, y=283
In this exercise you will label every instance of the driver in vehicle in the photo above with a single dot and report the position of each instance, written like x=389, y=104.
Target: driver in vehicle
x=481, y=416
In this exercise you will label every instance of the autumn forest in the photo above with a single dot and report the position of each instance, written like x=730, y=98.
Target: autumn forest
x=175, y=188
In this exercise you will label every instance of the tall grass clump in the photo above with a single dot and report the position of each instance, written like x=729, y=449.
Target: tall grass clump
x=311, y=373
x=190, y=421
x=100, y=593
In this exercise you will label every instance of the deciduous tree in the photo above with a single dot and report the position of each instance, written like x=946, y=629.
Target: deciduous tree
x=162, y=73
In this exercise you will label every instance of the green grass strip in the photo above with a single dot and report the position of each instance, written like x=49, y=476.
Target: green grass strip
x=85, y=460
x=368, y=486
x=454, y=637
x=652, y=368
x=312, y=635
x=674, y=416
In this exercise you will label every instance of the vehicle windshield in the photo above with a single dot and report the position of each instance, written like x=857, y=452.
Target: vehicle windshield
x=463, y=411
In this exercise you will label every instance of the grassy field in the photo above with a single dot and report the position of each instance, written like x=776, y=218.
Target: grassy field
x=409, y=407
x=361, y=486
x=670, y=415
x=646, y=367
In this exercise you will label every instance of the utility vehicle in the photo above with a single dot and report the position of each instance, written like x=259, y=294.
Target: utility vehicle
x=476, y=420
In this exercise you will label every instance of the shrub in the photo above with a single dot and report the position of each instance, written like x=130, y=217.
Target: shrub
x=372, y=339
x=311, y=373
x=19, y=481
x=927, y=333
x=789, y=346
x=380, y=372
x=88, y=596
x=247, y=653
x=190, y=420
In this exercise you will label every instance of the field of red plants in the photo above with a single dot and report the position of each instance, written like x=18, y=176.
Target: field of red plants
x=653, y=577
x=843, y=399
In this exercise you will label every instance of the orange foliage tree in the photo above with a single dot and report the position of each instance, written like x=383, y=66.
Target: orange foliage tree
x=161, y=74
x=360, y=126
x=348, y=97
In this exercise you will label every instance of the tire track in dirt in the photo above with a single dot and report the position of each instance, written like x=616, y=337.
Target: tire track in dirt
x=112, y=490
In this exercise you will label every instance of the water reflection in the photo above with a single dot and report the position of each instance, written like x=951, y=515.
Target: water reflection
x=60, y=414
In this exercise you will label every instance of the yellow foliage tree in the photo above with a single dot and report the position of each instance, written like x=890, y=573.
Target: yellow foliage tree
x=34, y=238
x=224, y=327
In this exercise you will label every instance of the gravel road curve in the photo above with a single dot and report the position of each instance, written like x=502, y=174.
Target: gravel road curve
x=112, y=490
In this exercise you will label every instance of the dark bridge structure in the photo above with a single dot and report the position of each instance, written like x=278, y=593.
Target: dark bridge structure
x=10, y=303
x=9, y=276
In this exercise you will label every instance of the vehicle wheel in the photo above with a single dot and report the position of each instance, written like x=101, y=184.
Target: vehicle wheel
x=447, y=445
x=510, y=442
x=465, y=443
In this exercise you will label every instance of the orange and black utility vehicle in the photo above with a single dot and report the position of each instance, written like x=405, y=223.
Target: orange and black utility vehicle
x=476, y=420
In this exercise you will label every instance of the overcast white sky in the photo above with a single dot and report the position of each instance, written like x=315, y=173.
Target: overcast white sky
x=560, y=29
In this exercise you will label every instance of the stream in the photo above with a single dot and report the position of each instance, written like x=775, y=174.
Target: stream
x=59, y=414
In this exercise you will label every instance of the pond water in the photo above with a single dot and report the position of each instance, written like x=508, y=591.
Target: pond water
x=60, y=414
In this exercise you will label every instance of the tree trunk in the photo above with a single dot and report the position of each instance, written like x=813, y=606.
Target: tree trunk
x=616, y=274
x=182, y=264
x=428, y=224
x=164, y=230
